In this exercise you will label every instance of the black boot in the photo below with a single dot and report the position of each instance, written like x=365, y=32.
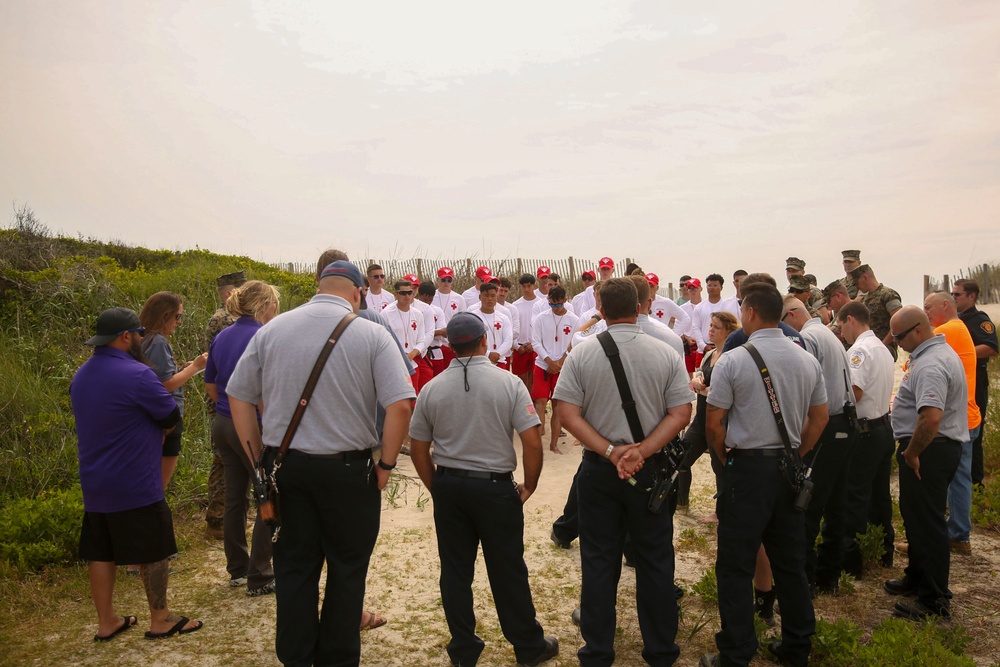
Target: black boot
x=763, y=605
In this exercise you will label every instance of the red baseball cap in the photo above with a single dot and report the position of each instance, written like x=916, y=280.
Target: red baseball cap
x=653, y=279
x=483, y=272
x=412, y=277
x=606, y=262
x=493, y=279
x=544, y=271
x=590, y=273
x=446, y=272
x=694, y=283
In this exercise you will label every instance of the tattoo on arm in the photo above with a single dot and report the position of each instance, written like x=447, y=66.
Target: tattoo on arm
x=154, y=579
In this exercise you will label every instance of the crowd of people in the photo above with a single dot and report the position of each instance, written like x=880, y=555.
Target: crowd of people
x=793, y=395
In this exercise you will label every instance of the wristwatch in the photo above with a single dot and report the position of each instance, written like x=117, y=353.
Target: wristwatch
x=607, y=452
x=385, y=466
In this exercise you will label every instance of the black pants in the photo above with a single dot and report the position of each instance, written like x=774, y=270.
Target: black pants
x=330, y=512
x=830, y=461
x=609, y=507
x=467, y=513
x=982, y=399
x=567, y=526
x=255, y=565
x=869, y=500
x=755, y=506
x=922, y=503
x=695, y=444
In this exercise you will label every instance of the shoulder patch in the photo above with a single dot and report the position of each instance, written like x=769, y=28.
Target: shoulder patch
x=987, y=327
x=531, y=409
x=857, y=358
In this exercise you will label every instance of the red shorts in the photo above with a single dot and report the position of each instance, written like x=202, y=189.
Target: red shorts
x=543, y=384
x=423, y=375
x=522, y=363
x=504, y=364
x=692, y=361
x=438, y=365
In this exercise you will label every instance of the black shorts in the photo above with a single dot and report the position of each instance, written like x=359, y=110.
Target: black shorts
x=172, y=445
x=132, y=537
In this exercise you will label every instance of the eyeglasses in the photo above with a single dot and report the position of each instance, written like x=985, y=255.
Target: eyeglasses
x=957, y=294
x=377, y=276
x=446, y=280
x=407, y=292
x=140, y=330
x=899, y=337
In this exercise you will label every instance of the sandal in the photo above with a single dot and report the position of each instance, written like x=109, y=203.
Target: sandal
x=129, y=622
x=177, y=629
x=374, y=620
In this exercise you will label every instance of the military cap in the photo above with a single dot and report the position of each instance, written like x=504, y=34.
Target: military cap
x=860, y=271
x=795, y=263
x=798, y=284
x=831, y=288
x=851, y=255
x=235, y=279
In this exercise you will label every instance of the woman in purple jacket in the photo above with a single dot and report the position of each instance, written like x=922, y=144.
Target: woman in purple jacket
x=254, y=304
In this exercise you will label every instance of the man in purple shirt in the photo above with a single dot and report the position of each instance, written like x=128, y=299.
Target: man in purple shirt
x=122, y=411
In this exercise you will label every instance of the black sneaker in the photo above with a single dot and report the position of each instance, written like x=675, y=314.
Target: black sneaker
x=905, y=587
x=778, y=651
x=550, y=651
x=918, y=611
x=575, y=617
x=562, y=544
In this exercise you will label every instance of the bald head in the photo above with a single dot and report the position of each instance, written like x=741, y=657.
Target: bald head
x=940, y=308
x=910, y=327
x=342, y=287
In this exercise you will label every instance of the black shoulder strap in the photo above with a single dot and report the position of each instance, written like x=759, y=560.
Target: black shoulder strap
x=772, y=396
x=300, y=409
x=628, y=403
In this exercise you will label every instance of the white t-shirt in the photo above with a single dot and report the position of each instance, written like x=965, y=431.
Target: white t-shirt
x=499, y=332
x=551, y=335
x=408, y=327
x=471, y=296
x=524, y=307
x=437, y=322
x=872, y=371
x=662, y=332
x=702, y=317
x=664, y=309
x=449, y=304
x=592, y=330
x=584, y=301
x=428, y=313
x=378, y=302
x=508, y=310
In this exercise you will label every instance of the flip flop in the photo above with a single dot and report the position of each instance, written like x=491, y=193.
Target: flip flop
x=374, y=621
x=129, y=622
x=178, y=629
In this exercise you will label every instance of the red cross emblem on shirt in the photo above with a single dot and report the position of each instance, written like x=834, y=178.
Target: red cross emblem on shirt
x=659, y=314
x=497, y=326
x=566, y=330
x=384, y=304
x=454, y=306
x=413, y=325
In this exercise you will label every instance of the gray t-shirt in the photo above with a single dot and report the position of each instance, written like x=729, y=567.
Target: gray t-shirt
x=832, y=357
x=161, y=355
x=364, y=368
x=473, y=430
x=662, y=332
x=656, y=377
x=737, y=387
x=935, y=378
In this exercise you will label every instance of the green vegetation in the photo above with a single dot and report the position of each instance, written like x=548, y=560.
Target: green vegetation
x=51, y=291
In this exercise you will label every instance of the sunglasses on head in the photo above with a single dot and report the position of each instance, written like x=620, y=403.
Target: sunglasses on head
x=140, y=330
x=446, y=280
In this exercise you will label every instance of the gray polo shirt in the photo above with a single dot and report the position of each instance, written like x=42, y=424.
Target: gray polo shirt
x=656, y=377
x=832, y=357
x=364, y=369
x=473, y=430
x=661, y=331
x=935, y=378
x=737, y=387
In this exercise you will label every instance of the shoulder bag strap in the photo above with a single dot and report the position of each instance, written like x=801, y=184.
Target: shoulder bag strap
x=300, y=409
x=773, y=398
x=628, y=403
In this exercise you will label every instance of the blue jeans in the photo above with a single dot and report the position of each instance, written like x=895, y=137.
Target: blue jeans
x=960, y=494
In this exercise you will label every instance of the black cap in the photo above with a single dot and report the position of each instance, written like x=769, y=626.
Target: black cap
x=111, y=323
x=464, y=328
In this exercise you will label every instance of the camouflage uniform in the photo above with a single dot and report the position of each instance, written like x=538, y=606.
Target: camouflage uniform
x=800, y=284
x=851, y=285
x=881, y=303
x=216, y=481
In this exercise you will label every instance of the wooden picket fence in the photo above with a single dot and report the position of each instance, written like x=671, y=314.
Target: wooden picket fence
x=987, y=275
x=569, y=269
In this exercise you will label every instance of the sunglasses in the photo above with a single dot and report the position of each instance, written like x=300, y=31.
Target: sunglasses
x=588, y=279
x=557, y=305
x=140, y=330
x=377, y=276
x=178, y=316
x=957, y=294
x=446, y=280
x=899, y=337
x=407, y=292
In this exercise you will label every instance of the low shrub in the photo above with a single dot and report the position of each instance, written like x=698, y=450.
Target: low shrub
x=707, y=588
x=35, y=532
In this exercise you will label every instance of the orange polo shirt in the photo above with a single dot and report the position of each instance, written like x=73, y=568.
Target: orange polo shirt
x=956, y=334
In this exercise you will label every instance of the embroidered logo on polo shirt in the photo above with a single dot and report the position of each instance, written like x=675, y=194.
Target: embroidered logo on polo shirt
x=987, y=327
x=857, y=359
x=531, y=409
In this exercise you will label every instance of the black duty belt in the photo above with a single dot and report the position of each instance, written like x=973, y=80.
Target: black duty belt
x=770, y=453
x=476, y=474
x=354, y=455
x=936, y=441
x=866, y=425
x=594, y=457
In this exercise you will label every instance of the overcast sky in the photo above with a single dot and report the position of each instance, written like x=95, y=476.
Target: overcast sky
x=692, y=136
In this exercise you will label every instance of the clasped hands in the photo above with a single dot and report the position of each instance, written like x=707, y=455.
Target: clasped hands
x=628, y=459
